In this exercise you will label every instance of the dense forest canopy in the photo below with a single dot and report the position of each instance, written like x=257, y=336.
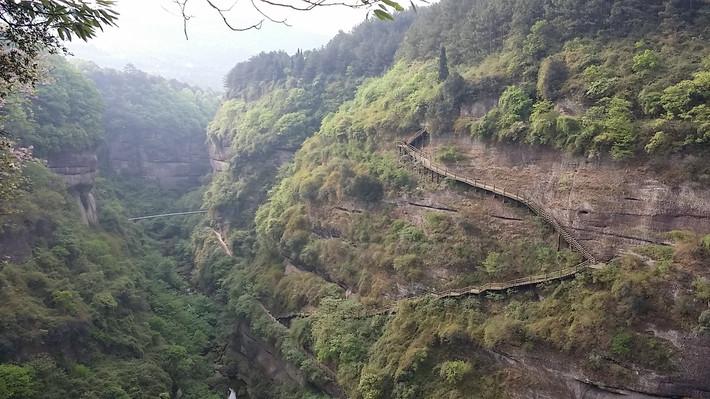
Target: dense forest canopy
x=64, y=114
x=97, y=311
x=138, y=104
x=80, y=105
x=473, y=29
x=367, y=51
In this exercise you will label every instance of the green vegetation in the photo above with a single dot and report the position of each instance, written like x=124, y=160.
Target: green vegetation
x=368, y=51
x=31, y=29
x=149, y=110
x=65, y=114
x=657, y=121
x=344, y=163
x=320, y=215
x=454, y=371
x=568, y=76
x=647, y=84
x=94, y=312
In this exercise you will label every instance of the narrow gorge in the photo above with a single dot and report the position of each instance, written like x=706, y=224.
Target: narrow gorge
x=469, y=199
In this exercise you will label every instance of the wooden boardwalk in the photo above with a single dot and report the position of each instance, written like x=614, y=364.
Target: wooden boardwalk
x=407, y=148
x=422, y=159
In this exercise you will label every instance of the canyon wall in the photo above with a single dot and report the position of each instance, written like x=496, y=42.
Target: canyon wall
x=220, y=154
x=609, y=205
x=79, y=170
x=176, y=164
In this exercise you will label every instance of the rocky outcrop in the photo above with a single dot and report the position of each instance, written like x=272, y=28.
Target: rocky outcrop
x=547, y=374
x=253, y=361
x=174, y=164
x=608, y=205
x=220, y=154
x=478, y=108
x=569, y=107
x=250, y=352
x=78, y=169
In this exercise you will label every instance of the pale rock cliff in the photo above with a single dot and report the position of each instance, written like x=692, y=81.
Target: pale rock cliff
x=610, y=206
x=79, y=170
x=177, y=164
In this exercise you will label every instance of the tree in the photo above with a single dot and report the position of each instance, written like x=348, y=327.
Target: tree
x=552, y=75
x=618, y=133
x=16, y=382
x=454, y=371
x=443, y=65
x=31, y=27
x=11, y=160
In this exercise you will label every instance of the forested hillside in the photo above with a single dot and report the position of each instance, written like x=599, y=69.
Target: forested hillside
x=100, y=311
x=479, y=199
x=346, y=227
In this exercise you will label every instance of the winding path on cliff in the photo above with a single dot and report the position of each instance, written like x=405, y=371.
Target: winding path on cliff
x=409, y=148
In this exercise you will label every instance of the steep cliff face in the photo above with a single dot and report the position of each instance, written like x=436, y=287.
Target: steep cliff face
x=220, y=153
x=609, y=205
x=550, y=375
x=177, y=164
x=257, y=365
x=78, y=169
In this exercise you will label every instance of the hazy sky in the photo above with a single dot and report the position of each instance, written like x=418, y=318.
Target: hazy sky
x=150, y=36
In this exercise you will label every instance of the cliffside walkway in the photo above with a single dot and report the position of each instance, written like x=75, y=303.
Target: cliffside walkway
x=408, y=148
x=467, y=291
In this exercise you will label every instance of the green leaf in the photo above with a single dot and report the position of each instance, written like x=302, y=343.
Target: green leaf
x=383, y=15
x=393, y=4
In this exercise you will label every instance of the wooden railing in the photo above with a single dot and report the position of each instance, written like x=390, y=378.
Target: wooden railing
x=419, y=156
x=427, y=163
x=465, y=291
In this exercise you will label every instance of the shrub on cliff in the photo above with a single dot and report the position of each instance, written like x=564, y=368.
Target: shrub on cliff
x=454, y=371
x=449, y=154
x=552, y=75
x=366, y=188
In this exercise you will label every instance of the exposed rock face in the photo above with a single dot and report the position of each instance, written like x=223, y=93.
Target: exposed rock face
x=478, y=108
x=256, y=360
x=78, y=169
x=609, y=205
x=220, y=154
x=178, y=164
x=257, y=354
x=570, y=107
x=550, y=375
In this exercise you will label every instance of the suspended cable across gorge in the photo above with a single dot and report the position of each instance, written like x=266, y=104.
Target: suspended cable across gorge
x=168, y=214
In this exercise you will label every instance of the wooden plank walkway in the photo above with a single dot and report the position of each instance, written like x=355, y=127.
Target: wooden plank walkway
x=420, y=157
x=474, y=290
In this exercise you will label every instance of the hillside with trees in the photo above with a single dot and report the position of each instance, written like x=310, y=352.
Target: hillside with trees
x=332, y=241
x=337, y=256
x=100, y=311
